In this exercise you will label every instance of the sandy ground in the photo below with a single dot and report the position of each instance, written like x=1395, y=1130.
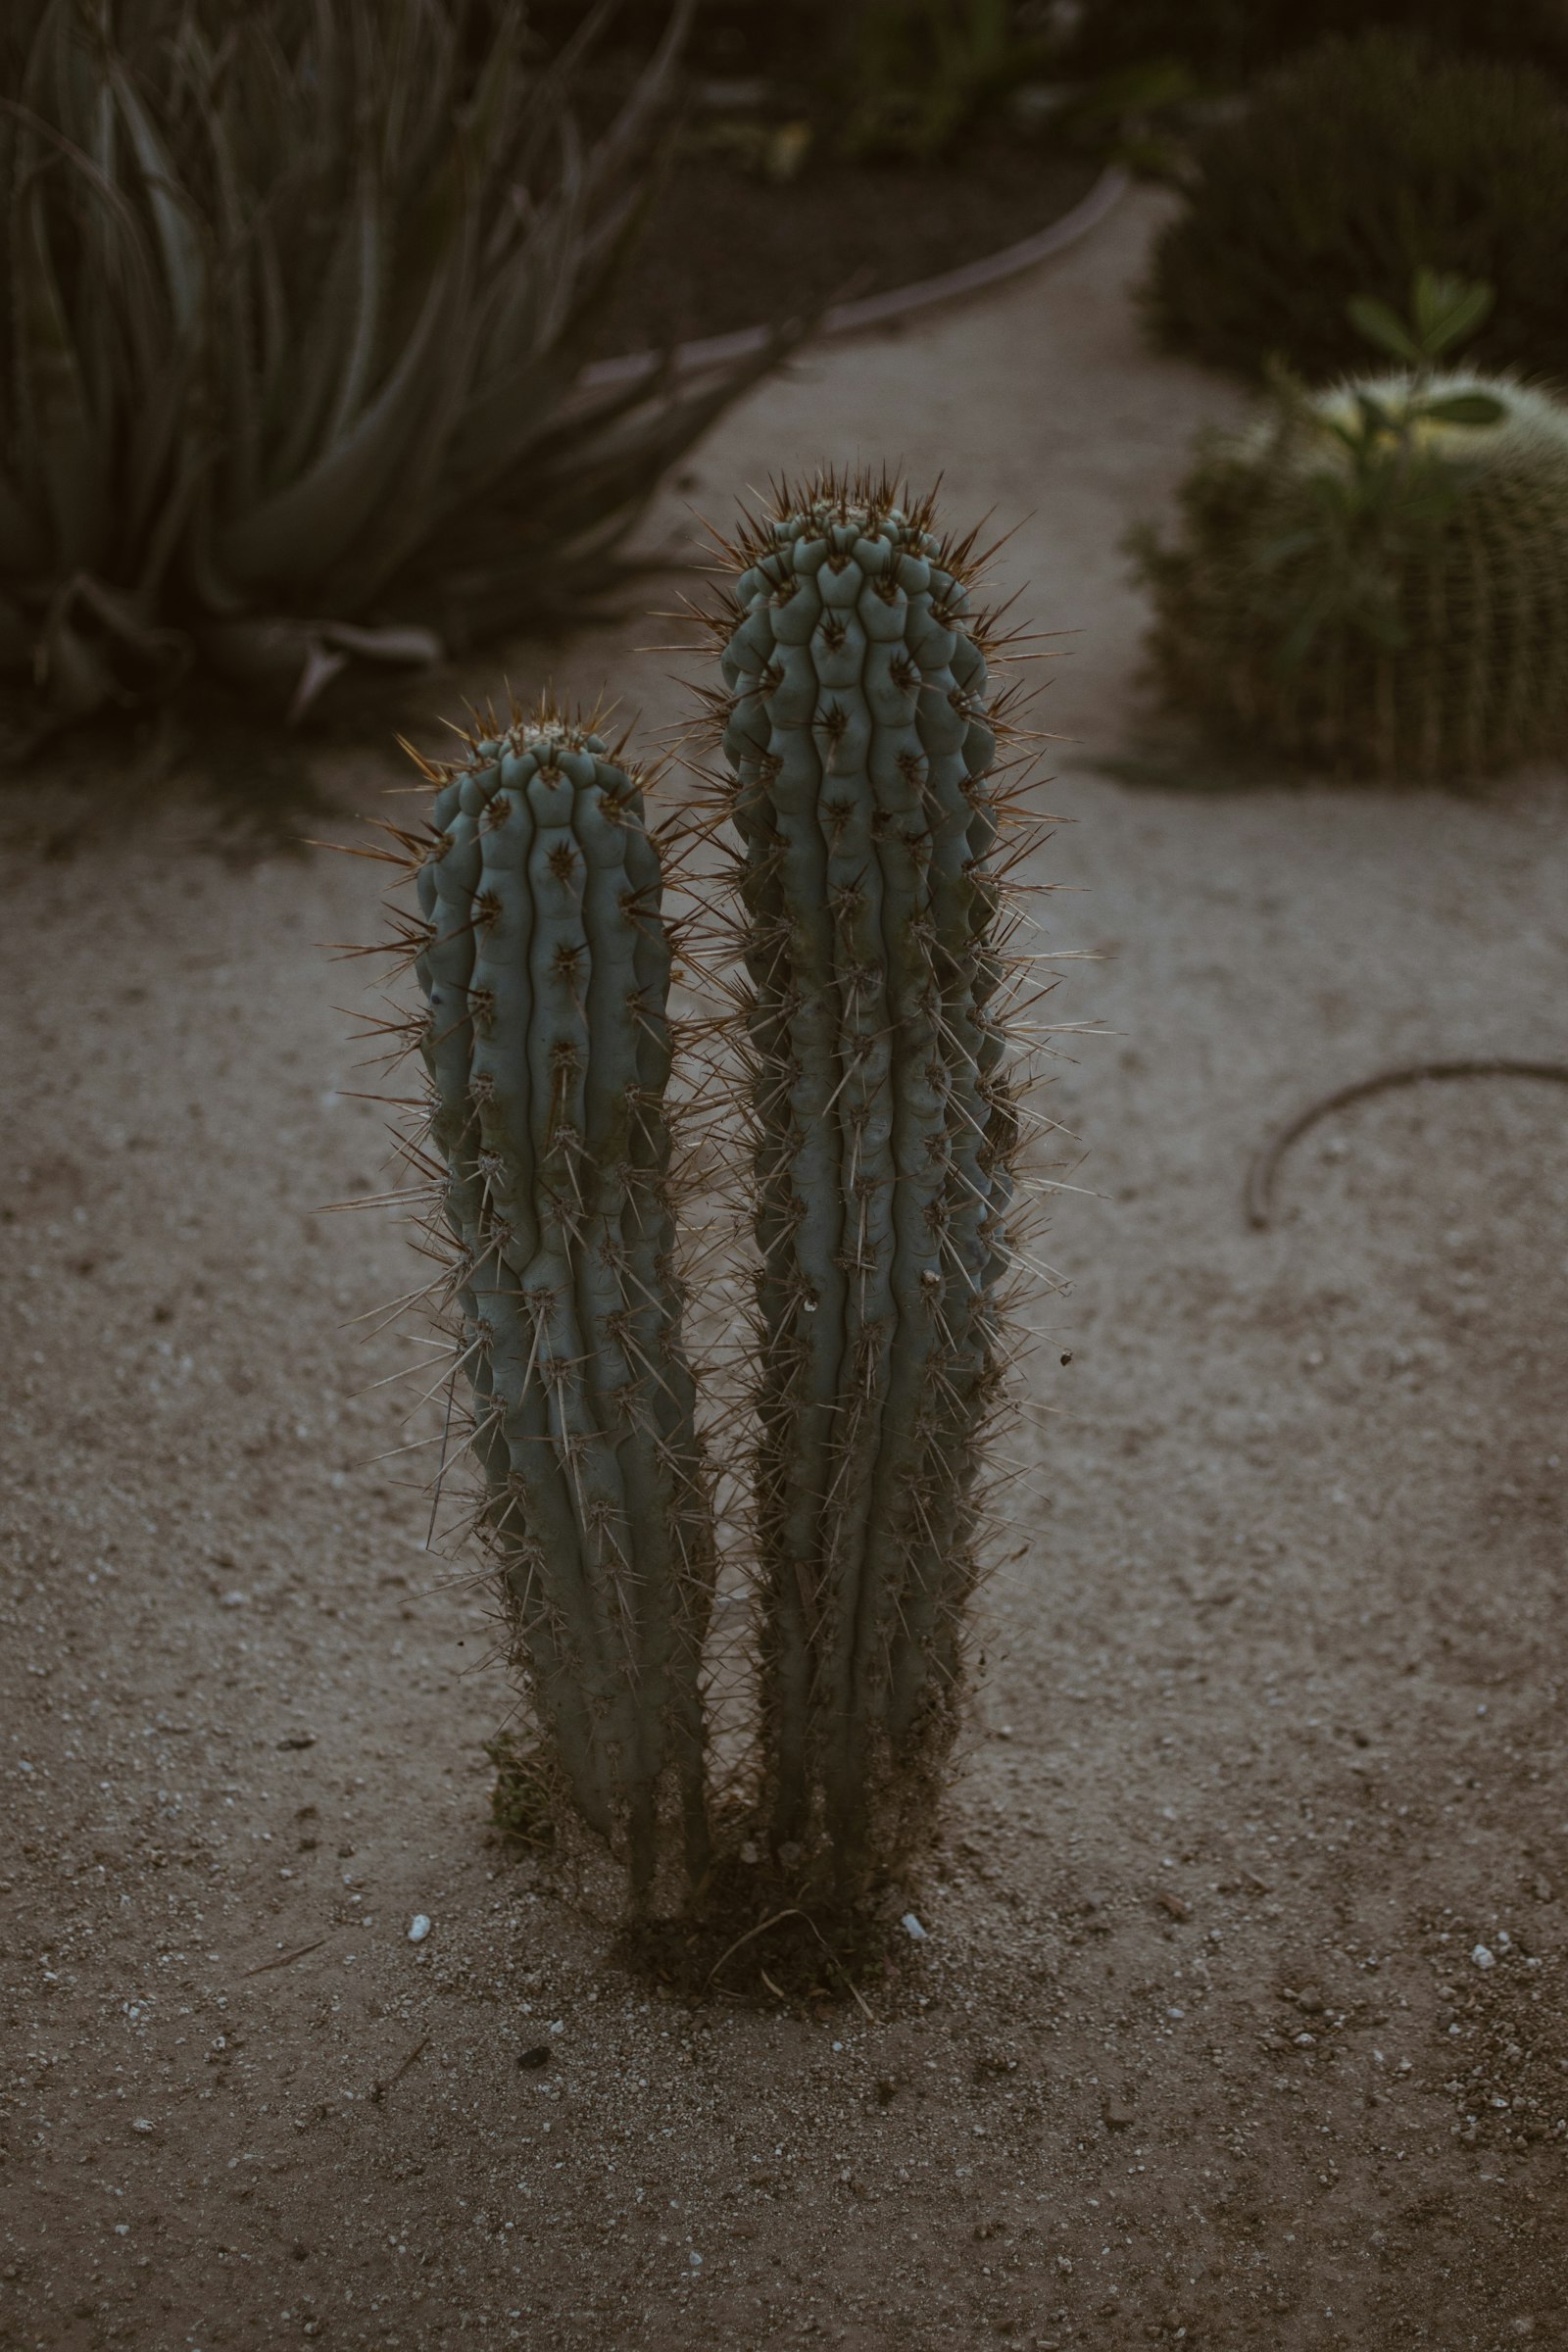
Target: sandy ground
x=1201, y=2045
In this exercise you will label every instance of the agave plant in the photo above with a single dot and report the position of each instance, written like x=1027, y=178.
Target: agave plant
x=300, y=296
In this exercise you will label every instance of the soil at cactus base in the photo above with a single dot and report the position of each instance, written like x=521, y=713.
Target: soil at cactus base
x=726, y=249
x=1229, y=2011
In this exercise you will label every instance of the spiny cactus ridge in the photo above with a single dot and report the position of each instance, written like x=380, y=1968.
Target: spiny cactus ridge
x=861, y=744
x=545, y=965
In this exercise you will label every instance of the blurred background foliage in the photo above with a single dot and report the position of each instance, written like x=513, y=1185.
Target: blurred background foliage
x=1353, y=167
x=1224, y=44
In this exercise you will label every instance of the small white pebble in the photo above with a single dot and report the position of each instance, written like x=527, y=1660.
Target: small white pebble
x=1481, y=1957
x=141, y=2123
x=912, y=1926
x=419, y=1927
x=233, y=1601
x=559, y=2026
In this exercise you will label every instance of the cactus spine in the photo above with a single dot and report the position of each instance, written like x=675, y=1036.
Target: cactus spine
x=546, y=966
x=862, y=753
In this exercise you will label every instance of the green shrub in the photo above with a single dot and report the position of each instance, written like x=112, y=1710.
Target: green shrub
x=299, y=298
x=1375, y=577
x=1350, y=172
x=919, y=72
x=1228, y=41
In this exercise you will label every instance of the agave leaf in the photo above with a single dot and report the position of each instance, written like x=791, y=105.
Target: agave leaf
x=96, y=646
x=24, y=541
x=334, y=643
x=303, y=530
x=173, y=211
x=319, y=362
x=366, y=275
x=297, y=659
x=583, y=487
x=114, y=241
x=16, y=640
x=56, y=433
x=163, y=442
x=70, y=675
x=233, y=332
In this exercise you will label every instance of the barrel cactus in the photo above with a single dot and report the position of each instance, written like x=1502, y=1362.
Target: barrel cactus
x=1374, y=578
x=545, y=965
x=862, y=756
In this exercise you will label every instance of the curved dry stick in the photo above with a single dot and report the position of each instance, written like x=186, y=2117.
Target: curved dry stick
x=1258, y=1191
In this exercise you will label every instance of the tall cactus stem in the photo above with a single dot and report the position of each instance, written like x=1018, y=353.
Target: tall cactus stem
x=861, y=756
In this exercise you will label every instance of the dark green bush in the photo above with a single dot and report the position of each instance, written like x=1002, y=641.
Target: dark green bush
x=1367, y=160
x=1228, y=41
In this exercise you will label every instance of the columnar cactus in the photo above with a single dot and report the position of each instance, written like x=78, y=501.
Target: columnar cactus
x=880, y=1082
x=546, y=968
x=861, y=756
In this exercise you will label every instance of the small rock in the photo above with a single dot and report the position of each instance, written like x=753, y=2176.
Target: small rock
x=141, y=2123
x=912, y=1926
x=1120, y=2115
x=1481, y=1957
x=1542, y=1890
x=539, y=2055
x=1173, y=1903
x=419, y=1927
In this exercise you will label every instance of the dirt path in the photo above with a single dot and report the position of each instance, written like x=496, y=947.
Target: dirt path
x=1201, y=2045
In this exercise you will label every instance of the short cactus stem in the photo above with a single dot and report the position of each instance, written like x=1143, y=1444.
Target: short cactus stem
x=861, y=754
x=546, y=970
